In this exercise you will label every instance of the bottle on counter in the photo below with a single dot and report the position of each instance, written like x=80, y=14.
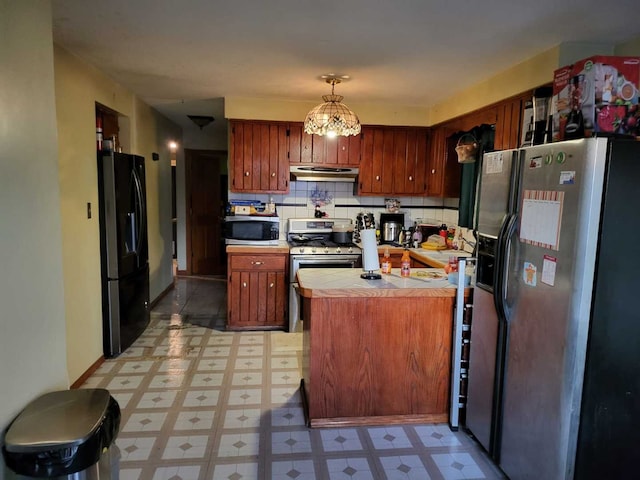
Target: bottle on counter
x=405, y=264
x=271, y=206
x=443, y=232
x=385, y=266
x=417, y=235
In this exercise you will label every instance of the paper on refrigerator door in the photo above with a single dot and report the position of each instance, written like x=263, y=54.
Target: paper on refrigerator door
x=541, y=218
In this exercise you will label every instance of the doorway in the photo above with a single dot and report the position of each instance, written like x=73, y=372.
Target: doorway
x=206, y=197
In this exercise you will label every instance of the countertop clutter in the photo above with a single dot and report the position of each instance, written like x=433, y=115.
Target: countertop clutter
x=341, y=282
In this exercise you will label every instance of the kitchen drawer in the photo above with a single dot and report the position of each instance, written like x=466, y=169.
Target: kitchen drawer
x=258, y=262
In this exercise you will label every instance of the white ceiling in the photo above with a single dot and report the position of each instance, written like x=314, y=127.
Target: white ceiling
x=175, y=54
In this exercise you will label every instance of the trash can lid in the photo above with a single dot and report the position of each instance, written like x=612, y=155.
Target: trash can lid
x=61, y=419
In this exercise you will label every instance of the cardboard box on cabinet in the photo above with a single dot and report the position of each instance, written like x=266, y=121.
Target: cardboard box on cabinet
x=601, y=92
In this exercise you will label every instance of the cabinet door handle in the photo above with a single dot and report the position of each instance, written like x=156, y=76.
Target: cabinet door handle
x=271, y=285
x=244, y=284
x=410, y=178
x=257, y=263
x=378, y=177
x=433, y=171
x=246, y=174
x=273, y=174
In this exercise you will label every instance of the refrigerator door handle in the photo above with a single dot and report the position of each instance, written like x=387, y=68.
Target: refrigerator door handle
x=139, y=206
x=503, y=256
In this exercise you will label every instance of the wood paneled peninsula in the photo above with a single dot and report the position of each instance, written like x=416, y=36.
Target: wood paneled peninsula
x=376, y=351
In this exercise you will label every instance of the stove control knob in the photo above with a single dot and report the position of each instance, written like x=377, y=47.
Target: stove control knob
x=326, y=249
x=301, y=249
x=350, y=249
x=338, y=250
x=313, y=249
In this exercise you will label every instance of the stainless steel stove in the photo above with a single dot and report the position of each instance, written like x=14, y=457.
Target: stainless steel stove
x=312, y=236
x=311, y=246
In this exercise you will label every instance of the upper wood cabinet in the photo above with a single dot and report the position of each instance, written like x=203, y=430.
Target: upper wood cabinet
x=393, y=161
x=305, y=149
x=259, y=156
x=443, y=169
x=509, y=122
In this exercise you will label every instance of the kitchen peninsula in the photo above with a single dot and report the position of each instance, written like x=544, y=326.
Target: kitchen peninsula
x=376, y=351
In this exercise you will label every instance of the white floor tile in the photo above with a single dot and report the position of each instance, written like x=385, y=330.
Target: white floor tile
x=239, y=445
x=181, y=447
x=340, y=440
x=145, y=422
x=200, y=420
x=239, y=471
x=201, y=398
x=134, y=449
x=157, y=399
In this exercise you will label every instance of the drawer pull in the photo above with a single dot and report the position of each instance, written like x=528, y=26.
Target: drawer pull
x=244, y=284
x=257, y=263
x=246, y=174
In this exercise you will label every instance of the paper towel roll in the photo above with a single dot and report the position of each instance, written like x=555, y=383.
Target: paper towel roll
x=369, y=250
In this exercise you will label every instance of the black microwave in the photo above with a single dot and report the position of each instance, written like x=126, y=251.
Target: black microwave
x=251, y=230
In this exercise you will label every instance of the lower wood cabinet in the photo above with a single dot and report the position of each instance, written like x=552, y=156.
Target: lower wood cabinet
x=257, y=291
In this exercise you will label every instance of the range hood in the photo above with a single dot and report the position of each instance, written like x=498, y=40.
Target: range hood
x=323, y=174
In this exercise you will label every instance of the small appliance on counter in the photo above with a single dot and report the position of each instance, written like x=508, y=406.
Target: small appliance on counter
x=251, y=229
x=428, y=228
x=391, y=224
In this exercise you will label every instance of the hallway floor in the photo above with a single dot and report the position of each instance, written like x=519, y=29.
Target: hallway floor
x=201, y=403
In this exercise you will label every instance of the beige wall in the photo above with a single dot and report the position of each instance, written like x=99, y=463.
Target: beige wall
x=78, y=88
x=284, y=110
x=630, y=48
x=527, y=75
x=32, y=324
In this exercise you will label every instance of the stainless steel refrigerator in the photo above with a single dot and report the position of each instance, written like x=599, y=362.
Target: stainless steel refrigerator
x=554, y=391
x=124, y=250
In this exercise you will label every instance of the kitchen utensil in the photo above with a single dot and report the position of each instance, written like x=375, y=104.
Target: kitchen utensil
x=342, y=234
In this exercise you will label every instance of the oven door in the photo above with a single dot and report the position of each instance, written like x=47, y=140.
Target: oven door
x=312, y=261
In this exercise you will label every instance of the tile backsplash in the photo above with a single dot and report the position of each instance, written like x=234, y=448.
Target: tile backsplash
x=338, y=201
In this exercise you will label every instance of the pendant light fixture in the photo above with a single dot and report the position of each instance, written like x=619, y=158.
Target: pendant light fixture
x=332, y=118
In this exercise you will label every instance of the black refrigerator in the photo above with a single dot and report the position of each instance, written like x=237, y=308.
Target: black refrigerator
x=124, y=250
x=554, y=390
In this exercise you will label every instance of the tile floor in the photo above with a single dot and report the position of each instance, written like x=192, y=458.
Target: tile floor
x=201, y=403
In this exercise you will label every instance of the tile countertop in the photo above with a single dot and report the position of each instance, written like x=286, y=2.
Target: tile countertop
x=346, y=282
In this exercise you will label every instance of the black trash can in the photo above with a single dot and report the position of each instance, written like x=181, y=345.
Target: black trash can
x=65, y=434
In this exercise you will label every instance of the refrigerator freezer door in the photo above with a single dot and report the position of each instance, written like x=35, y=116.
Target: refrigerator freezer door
x=480, y=415
x=128, y=312
x=550, y=276
x=495, y=191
